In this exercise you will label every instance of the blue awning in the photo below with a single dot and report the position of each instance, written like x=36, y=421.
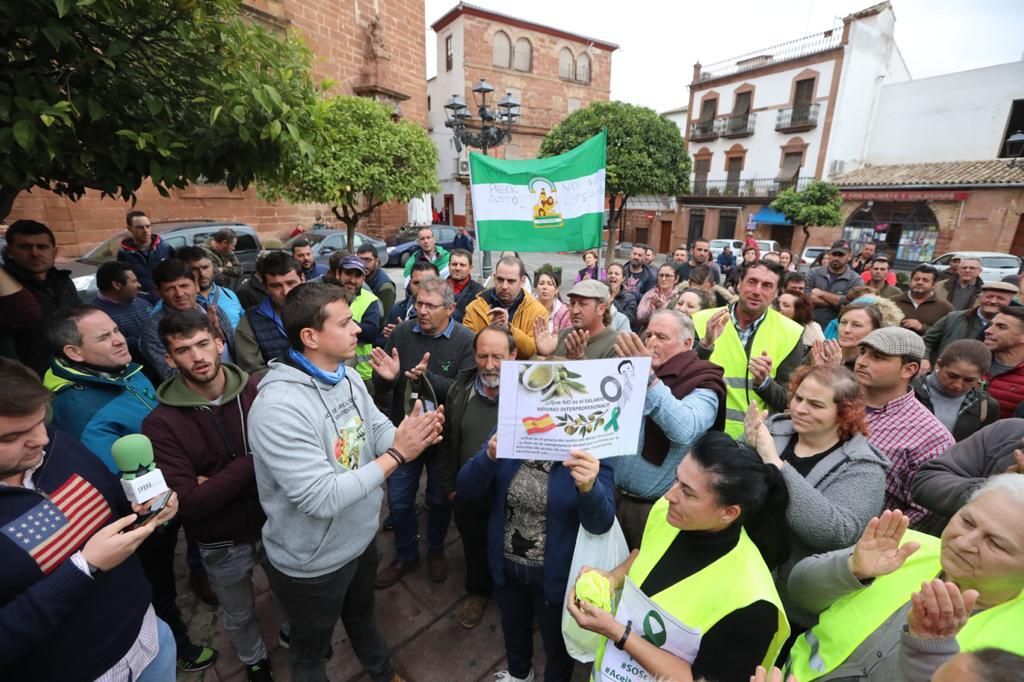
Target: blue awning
x=769, y=216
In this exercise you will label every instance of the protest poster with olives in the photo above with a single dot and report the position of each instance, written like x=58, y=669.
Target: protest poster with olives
x=547, y=408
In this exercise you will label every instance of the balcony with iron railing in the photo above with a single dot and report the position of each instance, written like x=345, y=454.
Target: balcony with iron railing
x=736, y=126
x=797, y=119
x=703, y=131
x=745, y=187
x=783, y=52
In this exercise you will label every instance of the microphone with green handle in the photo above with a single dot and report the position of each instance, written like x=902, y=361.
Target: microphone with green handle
x=140, y=478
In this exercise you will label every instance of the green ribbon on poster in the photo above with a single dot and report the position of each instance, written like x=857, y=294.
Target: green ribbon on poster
x=613, y=421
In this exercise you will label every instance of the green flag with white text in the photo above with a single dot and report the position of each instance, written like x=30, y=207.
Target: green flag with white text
x=552, y=204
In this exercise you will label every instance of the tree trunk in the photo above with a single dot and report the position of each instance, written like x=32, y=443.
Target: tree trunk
x=615, y=216
x=807, y=235
x=350, y=219
x=7, y=196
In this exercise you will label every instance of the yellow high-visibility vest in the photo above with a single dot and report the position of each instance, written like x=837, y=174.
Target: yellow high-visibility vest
x=363, y=350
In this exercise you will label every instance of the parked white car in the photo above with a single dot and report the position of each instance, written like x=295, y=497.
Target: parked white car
x=810, y=255
x=718, y=245
x=768, y=246
x=994, y=266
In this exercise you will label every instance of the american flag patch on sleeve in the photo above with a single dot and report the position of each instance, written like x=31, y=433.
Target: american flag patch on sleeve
x=55, y=528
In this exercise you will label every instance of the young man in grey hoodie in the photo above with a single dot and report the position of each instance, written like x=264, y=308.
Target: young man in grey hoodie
x=322, y=451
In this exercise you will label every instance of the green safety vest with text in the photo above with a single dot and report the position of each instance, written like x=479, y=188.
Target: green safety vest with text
x=363, y=350
x=734, y=581
x=777, y=335
x=850, y=620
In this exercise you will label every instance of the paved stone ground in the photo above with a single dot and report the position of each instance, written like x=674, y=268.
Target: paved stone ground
x=418, y=617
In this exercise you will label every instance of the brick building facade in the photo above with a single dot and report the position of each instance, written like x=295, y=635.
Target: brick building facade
x=551, y=72
x=338, y=35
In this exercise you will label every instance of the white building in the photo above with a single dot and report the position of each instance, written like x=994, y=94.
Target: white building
x=781, y=116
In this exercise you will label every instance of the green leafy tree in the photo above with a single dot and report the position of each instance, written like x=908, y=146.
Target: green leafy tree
x=646, y=153
x=101, y=94
x=362, y=159
x=819, y=204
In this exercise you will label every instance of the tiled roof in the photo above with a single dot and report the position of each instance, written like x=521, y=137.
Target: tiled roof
x=950, y=173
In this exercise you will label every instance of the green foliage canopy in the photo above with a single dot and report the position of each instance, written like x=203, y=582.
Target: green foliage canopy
x=361, y=159
x=819, y=204
x=100, y=94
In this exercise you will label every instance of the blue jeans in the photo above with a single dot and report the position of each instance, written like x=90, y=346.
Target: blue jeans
x=163, y=667
x=402, y=487
x=521, y=602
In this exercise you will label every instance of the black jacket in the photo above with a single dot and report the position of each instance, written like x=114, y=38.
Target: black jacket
x=55, y=292
x=978, y=409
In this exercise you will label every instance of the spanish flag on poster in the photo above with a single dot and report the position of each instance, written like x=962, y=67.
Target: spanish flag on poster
x=541, y=424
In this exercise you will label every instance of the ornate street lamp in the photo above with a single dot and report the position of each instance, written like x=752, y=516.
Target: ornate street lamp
x=495, y=128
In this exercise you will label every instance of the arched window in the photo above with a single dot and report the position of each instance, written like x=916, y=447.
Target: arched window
x=502, y=50
x=523, y=55
x=566, y=64
x=583, y=68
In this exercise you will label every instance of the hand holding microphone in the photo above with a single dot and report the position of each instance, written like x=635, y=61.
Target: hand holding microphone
x=140, y=478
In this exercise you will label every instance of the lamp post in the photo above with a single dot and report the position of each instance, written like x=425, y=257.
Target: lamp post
x=495, y=127
x=1015, y=147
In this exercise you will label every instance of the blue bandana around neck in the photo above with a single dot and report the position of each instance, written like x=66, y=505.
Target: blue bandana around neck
x=309, y=368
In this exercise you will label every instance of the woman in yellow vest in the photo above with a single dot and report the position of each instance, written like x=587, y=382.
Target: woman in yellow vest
x=698, y=599
x=871, y=624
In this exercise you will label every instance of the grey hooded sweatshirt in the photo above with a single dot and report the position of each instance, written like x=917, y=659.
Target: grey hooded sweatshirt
x=313, y=448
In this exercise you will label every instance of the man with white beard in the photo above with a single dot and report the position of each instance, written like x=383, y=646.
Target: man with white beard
x=471, y=413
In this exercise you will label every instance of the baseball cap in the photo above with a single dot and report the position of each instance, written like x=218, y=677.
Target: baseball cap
x=896, y=341
x=1000, y=286
x=840, y=245
x=590, y=288
x=352, y=263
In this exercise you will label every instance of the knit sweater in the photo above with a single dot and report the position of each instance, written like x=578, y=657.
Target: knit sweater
x=56, y=621
x=450, y=353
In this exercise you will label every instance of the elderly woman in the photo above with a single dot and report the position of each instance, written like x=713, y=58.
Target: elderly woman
x=705, y=562
x=835, y=479
x=660, y=296
x=953, y=391
x=537, y=508
x=590, y=269
x=547, y=292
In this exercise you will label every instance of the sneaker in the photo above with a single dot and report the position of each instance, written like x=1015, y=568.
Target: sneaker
x=259, y=671
x=437, y=566
x=193, y=658
x=472, y=611
x=506, y=676
x=285, y=642
x=394, y=572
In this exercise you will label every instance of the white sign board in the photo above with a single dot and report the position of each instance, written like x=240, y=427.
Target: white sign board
x=547, y=408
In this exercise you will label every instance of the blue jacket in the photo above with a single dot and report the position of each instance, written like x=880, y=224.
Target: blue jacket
x=57, y=622
x=143, y=262
x=486, y=481
x=226, y=300
x=97, y=409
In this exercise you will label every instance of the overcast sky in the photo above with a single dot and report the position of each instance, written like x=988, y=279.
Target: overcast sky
x=659, y=40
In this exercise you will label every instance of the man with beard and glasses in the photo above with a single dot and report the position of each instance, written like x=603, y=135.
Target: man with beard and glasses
x=471, y=410
x=200, y=444
x=211, y=293
x=99, y=396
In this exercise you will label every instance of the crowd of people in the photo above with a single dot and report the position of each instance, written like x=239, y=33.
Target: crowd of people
x=828, y=476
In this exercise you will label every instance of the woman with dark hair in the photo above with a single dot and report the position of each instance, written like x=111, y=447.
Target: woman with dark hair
x=786, y=260
x=703, y=277
x=706, y=559
x=836, y=480
x=800, y=309
x=750, y=254
x=953, y=391
x=590, y=269
x=663, y=293
x=547, y=292
x=624, y=301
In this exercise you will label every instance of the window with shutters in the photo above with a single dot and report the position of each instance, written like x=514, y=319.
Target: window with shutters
x=727, y=224
x=502, y=50
x=566, y=64
x=791, y=163
x=695, y=230
x=701, y=168
x=733, y=166
x=449, y=53
x=583, y=68
x=523, y=55
x=802, y=99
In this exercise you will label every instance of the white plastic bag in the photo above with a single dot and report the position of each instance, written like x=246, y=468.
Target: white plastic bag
x=605, y=551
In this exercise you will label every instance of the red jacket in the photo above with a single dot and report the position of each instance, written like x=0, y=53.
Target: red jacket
x=1008, y=389
x=193, y=438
